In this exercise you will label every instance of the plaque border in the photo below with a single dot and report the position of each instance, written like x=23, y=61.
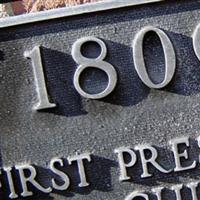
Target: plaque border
x=70, y=11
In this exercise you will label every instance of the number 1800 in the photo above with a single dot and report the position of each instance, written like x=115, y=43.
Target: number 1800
x=99, y=62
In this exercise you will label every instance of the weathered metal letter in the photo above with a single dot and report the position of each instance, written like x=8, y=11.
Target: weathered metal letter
x=81, y=168
x=158, y=192
x=122, y=164
x=30, y=179
x=177, y=189
x=152, y=160
x=193, y=187
x=13, y=194
x=43, y=99
x=196, y=41
x=137, y=195
x=59, y=173
x=138, y=56
x=177, y=156
x=96, y=63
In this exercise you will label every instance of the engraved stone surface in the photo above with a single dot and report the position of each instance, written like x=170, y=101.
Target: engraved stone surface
x=133, y=115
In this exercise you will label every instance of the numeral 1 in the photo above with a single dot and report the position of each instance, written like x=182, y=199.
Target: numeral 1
x=43, y=100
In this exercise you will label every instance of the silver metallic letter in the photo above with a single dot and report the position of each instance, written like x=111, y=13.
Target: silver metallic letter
x=138, y=56
x=193, y=187
x=0, y=174
x=136, y=195
x=158, y=192
x=196, y=41
x=30, y=179
x=13, y=194
x=177, y=189
x=81, y=169
x=122, y=164
x=35, y=56
x=198, y=140
x=96, y=63
x=152, y=160
x=177, y=156
x=64, y=176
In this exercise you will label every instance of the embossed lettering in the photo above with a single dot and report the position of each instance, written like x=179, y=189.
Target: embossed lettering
x=13, y=194
x=198, y=140
x=177, y=189
x=193, y=187
x=122, y=164
x=137, y=195
x=59, y=173
x=138, y=57
x=158, y=192
x=43, y=100
x=177, y=156
x=196, y=43
x=79, y=159
x=30, y=179
x=152, y=160
x=85, y=63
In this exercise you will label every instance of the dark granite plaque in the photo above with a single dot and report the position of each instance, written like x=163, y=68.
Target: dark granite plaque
x=138, y=140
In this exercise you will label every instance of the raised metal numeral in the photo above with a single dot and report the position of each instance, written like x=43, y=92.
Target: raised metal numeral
x=196, y=41
x=43, y=100
x=169, y=54
x=98, y=62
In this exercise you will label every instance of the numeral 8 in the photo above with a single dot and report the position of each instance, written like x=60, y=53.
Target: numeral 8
x=98, y=62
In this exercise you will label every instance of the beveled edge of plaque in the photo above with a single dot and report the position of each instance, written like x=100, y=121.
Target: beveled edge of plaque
x=70, y=11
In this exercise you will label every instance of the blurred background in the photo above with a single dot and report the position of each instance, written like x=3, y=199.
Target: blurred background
x=17, y=7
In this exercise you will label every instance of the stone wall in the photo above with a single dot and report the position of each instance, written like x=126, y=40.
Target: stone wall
x=39, y=5
x=23, y=6
x=6, y=10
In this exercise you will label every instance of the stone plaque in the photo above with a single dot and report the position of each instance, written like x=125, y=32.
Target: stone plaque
x=101, y=101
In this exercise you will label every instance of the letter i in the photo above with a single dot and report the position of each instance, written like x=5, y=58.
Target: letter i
x=13, y=194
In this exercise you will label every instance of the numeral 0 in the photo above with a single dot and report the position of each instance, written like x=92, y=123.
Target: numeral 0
x=84, y=63
x=196, y=43
x=138, y=57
